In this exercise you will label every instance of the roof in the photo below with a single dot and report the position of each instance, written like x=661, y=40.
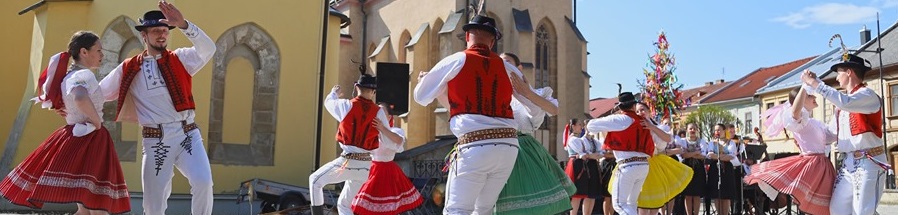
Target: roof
x=868, y=52
x=599, y=107
x=575, y=29
x=694, y=95
x=793, y=78
x=746, y=86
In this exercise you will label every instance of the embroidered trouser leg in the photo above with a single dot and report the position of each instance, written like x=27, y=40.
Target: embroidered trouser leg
x=187, y=153
x=477, y=177
x=628, y=184
x=354, y=174
x=859, y=187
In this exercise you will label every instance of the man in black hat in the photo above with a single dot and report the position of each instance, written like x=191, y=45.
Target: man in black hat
x=357, y=136
x=857, y=123
x=633, y=140
x=154, y=89
x=475, y=86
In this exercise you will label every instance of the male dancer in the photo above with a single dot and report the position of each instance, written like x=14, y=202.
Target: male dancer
x=861, y=179
x=633, y=139
x=475, y=85
x=154, y=89
x=357, y=136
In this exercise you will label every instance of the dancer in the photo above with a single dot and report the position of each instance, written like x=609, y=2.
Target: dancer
x=154, y=89
x=388, y=191
x=631, y=137
x=357, y=139
x=808, y=177
x=77, y=163
x=537, y=184
x=667, y=177
x=857, y=123
x=475, y=86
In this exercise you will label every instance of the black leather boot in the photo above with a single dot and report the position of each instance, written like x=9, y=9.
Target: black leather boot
x=317, y=210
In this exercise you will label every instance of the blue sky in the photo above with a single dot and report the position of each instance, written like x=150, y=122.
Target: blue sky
x=716, y=39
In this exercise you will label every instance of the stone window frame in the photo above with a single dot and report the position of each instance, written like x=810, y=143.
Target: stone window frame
x=118, y=38
x=252, y=42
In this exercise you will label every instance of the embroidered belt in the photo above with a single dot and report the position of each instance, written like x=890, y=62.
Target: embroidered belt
x=150, y=132
x=357, y=156
x=875, y=151
x=634, y=159
x=485, y=134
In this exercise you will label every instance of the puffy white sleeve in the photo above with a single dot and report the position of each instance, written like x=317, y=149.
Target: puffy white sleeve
x=398, y=147
x=792, y=124
x=81, y=78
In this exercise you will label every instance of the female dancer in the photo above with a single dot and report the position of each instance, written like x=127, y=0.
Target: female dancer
x=808, y=177
x=77, y=163
x=387, y=191
x=537, y=184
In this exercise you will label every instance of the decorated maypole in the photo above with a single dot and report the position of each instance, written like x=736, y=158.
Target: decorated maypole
x=660, y=90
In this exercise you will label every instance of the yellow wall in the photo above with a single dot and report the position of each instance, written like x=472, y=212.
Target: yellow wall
x=16, y=33
x=291, y=24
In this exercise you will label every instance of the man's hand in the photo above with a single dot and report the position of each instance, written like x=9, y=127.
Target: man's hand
x=338, y=91
x=421, y=75
x=173, y=16
x=61, y=112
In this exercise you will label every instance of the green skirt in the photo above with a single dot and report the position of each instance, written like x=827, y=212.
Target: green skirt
x=537, y=184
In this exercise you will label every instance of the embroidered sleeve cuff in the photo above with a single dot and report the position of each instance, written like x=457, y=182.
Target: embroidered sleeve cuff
x=192, y=31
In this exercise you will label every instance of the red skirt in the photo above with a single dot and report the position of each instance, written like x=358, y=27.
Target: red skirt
x=808, y=178
x=387, y=192
x=69, y=169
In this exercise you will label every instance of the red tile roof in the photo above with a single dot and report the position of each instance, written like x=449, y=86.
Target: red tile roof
x=749, y=84
x=698, y=93
x=599, y=107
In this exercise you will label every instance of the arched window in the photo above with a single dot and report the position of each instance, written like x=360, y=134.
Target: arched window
x=245, y=82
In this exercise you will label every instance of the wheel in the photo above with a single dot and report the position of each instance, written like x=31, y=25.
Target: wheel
x=291, y=200
x=268, y=207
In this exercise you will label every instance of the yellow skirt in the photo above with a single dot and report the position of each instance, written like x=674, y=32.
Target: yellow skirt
x=666, y=179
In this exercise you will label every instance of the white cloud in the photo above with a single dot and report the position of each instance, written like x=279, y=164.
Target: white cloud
x=831, y=14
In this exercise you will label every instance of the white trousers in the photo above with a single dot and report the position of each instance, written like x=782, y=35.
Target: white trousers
x=477, y=177
x=159, y=160
x=859, y=186
x=354, y=174
x=625, y=190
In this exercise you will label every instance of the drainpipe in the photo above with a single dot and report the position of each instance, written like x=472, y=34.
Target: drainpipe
x=321, y=71
x=364, y=58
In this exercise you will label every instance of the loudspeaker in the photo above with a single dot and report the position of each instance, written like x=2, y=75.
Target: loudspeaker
x=392, y=86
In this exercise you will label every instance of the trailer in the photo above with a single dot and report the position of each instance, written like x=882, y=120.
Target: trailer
x=281, y=198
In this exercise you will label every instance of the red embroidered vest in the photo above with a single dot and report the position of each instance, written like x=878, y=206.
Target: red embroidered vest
x=482, y=86
x=634, y=138
x=863, y=123
x=177, y=80
x=355, y=129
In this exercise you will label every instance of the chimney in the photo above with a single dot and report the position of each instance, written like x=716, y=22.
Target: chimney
x=709, y=83
x=865, y=35
x=720, y=81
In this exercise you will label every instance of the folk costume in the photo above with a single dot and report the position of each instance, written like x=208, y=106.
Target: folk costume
x=156, y=92
x=78, y=162
x=808, y=177
x=388, y=191
x=475, y=86
x=357, y=138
